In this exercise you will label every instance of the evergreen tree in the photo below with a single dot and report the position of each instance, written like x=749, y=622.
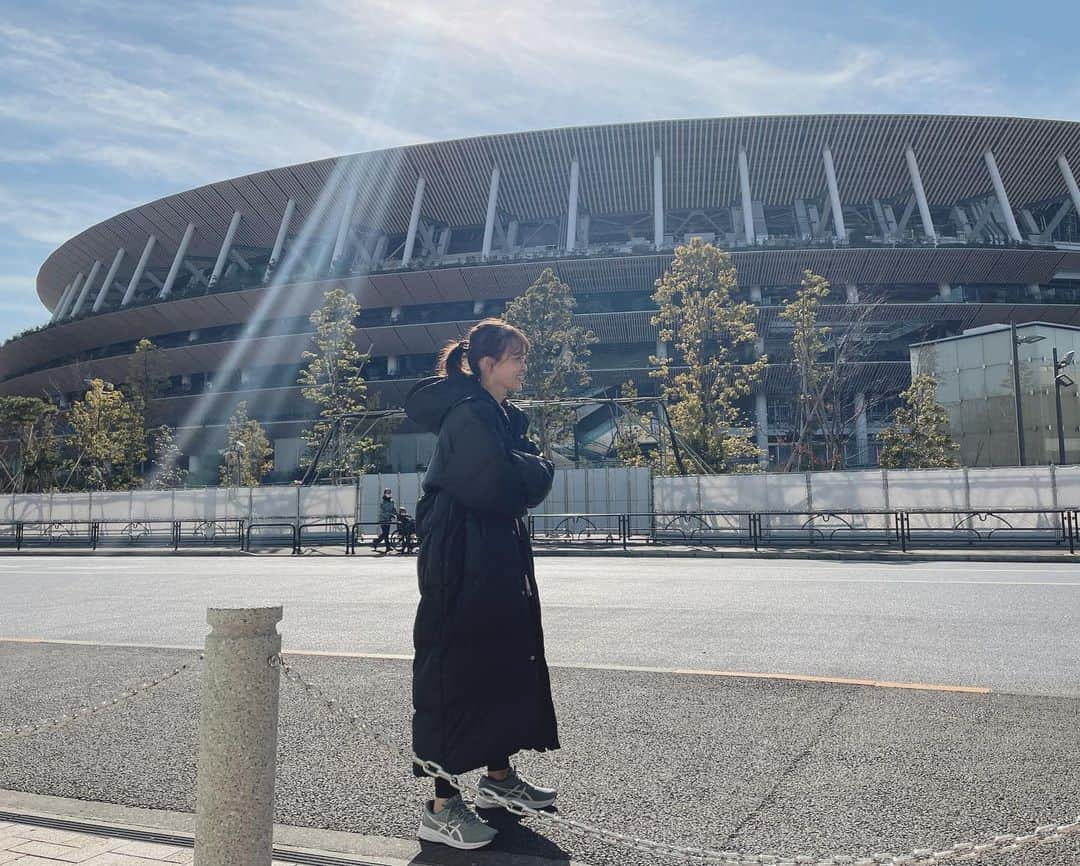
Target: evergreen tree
x=167, y=472
x=30, y=453
x=808, y=344
x=629, y=427
x=247, y=457
x=332, y=379
x=106, y=439
x=919, y=437
x=558, y=357
x=708, y=331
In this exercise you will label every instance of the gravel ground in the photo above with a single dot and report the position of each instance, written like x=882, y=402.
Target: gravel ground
x=696, y=760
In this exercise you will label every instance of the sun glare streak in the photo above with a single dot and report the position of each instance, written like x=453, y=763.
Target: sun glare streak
x=318, y=228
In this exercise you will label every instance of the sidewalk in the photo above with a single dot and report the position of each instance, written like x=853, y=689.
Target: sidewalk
x=38, y=830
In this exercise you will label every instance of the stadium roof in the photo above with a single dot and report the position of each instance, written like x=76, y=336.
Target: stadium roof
x=700, y=169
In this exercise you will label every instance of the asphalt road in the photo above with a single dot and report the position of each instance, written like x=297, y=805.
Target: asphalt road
x=1007, y=627
x=754, y=764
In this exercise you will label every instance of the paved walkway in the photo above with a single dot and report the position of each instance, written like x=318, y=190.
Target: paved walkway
x=27, y=845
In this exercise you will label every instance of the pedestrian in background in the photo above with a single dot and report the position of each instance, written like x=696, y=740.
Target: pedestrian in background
x=387, y=517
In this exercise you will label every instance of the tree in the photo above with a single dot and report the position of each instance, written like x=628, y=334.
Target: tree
x=29, y=454
x=919, y=437
x=167, y=472
x=146, y=380
x=826, y=365
x=247, y=454
x=558, y=356
x=628, y=429
x=332, y=379
x=106, y=439
x=702, y=384
x=147, y=376
x=808, y=344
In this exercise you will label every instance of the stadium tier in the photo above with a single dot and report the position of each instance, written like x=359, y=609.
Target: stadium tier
x=925, y=225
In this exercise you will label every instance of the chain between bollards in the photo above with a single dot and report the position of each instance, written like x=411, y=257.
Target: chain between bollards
x=65, y=719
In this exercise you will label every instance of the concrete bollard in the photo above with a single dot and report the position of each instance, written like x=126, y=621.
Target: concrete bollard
x=234, y=802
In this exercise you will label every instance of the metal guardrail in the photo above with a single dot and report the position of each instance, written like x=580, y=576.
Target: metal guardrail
x=904, y=529
x=260, y=527
x=324, y=532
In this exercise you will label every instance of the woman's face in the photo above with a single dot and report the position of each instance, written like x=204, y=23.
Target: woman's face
x=508, y=373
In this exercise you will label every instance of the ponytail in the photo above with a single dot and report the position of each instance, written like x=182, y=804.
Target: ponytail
x=490, y=338
x=452, y=359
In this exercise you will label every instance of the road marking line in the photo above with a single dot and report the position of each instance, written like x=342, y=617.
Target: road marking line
x=696, y=672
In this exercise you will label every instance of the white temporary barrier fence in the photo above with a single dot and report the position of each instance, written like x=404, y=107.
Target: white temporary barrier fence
x=916, y=491
x=597, y=491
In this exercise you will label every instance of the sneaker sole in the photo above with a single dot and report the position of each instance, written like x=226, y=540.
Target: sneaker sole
x=426, y=834
x=482, y=802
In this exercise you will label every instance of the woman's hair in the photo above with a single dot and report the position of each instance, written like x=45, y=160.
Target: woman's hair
x=491, y=338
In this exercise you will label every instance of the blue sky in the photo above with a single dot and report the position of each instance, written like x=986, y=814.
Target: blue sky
x=106, y=104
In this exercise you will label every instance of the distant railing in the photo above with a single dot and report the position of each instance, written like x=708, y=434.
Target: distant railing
x=700, y=530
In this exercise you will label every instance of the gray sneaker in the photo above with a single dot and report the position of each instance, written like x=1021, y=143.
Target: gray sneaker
x=514, y=788
x=456, y=825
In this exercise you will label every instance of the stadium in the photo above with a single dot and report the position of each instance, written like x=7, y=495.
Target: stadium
x=924, y=225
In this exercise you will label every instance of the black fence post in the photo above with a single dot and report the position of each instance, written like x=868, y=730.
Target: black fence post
x=755, y=529
x=18, y=536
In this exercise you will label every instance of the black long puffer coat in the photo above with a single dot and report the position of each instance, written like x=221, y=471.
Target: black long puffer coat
x=481, y=689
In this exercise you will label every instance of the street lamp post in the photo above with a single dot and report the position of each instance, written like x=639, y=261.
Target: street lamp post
x=1061, y=379
x=1016, y=341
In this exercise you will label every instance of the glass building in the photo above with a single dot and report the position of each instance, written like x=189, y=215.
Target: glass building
x=925, y=225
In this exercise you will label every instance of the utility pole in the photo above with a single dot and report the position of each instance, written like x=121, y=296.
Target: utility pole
x=1061, y=379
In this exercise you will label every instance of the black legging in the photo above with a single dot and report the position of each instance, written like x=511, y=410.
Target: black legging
x=384, y=535
x=444, y=790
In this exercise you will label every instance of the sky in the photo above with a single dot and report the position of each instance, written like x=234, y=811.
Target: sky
x=108, y=104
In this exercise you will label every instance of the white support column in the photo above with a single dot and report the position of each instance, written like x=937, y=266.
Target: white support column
x=658, y=200
x=109, y=277
x=862, y=437
x=572, y=209
x=75, y=286
x=178, y=260
x=279, y=241
x=852, y=293
x=944, y=290
x=761, y=413
x=223, y=253
x=834, y=195
x=64, y=295
x=342, y=239
x=478, y=308
x=140, y=268
x=414, y=221
x=1002, y=198
x=661, y=348
x=380, y=252
x=75, y=310
x=1070, y=181
x=747, y=203
x=755, y=294
x=489, y=220
x=920, y=194
x=391, y=365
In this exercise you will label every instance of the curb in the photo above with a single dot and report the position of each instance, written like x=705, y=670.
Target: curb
x=832, y=555
x=292, y=844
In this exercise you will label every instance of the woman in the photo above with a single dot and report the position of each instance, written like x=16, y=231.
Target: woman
x=481, y=690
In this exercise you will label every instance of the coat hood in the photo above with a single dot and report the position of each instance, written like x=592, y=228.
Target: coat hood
x=430, y=399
